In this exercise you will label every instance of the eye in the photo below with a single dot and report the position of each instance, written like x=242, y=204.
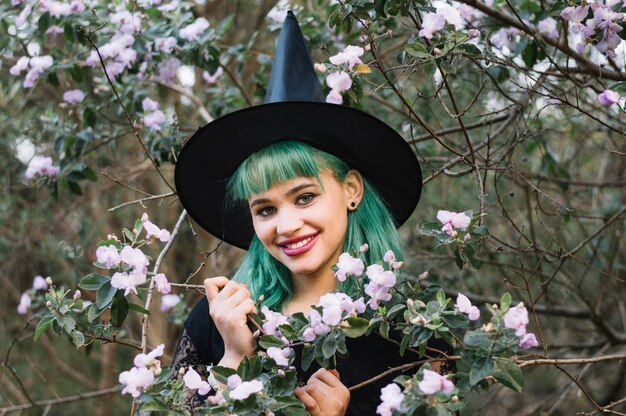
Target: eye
x=305, y=199
x=265, y=211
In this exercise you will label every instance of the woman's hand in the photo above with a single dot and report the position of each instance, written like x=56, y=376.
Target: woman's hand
x=324, y=394
x=229, y=308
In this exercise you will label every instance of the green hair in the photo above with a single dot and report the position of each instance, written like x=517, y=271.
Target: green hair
x=371, y=223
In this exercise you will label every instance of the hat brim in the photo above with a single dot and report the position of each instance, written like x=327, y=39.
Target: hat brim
x=215, y=151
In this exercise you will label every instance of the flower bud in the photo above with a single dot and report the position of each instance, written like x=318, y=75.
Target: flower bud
x=467, y=237
x=454, y=234
x=488, y=328
x=473, y=33
x=320, y=67
x=181, y=371
x=48, y=304
x=77, y=295
x=454, y=399
x=344, y=324
x=495, y=306
x=437, y=51
x=49, y=281
x=261, y=298
x=256, y=333
x=420, y=304
x=410, y=303
x=423, y=276
x=281, y=373
x=135, y=232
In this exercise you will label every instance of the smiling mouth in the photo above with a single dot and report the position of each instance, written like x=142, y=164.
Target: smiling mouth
x=297, y=246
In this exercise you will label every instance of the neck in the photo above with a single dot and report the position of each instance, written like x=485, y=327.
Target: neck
x=307, y=291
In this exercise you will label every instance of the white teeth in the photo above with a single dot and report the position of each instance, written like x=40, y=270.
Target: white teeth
x=299, y=243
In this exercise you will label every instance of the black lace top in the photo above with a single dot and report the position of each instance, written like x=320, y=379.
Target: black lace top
x=200, y=344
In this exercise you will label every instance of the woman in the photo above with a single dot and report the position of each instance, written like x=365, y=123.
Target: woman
x=296, y=182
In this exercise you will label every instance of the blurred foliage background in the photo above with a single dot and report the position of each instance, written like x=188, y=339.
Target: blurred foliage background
x=516, y=134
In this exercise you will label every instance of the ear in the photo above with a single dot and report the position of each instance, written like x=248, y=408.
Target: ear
x=353, y=185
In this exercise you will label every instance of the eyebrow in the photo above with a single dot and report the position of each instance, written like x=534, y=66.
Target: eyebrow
x=290, y=192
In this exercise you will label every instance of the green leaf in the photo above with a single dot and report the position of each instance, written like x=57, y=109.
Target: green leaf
x=90, y=174
x=128, y=234
x=44, y=22
x=509, y=374
x=267, y=341
x=379, y=6
x=283, y=386
x=67, y=323
x=93, y=281
x=358, y=327
x=78, y=338
x=384, y=329
x=105, y=295
x=417, y=50
x=119, y=311
x=404, y=344
x=481, y=231
x=308, y=355
x=620, y=87
x=431, y=228
x=329, y=347
x=397, y=309
x=43, y=325
x=477, y=339
x=222, y=373
x=469, y=50
x=455, y=319
x=530, y=54
x=89, y=117
x=505, y=302
x=138, y=226
x=93, y=312
x=138, y=308
x=441, y=297
x=480, y=369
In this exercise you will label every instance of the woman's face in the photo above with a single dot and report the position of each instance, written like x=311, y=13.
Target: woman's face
x=303, y=225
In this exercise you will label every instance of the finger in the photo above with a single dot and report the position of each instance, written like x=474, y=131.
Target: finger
x=327, y=377
x=229, y=289
x=309, y=402
x=213, y=285
x=335, y=373
x=245, y=307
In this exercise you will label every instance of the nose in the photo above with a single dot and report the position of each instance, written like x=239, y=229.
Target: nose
x=288, y=222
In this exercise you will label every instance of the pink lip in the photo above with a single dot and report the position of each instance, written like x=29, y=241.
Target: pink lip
x=300, y=250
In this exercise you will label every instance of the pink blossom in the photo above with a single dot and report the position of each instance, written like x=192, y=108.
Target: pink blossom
x=128, y=281
x=389, y=256
x=517, y=318
x=56, y=8
x=451, y=14
x=233, y=381
x=434, y=383
x=212, y=78
x=464, y=305
x=334, y=97
x=135, y=259
x=473, y=33
x=20, y=65
x=77, y=294
x=277, y=15
x=154, y=120
x=245, y=389
x=77, y=6
x=127, y=57
x=25, y=302
x=149, y=104
x=108, y=255
x=348, y=266
x=193, y=31
x=162, y=285
x=466, y=11
x=39, y=283
x=136, y=380
x=548, y=27
x=452, y=221
x=431, y=23
x=168, y=302
x=391, y=397
x=575, y=14
x=505, y=38
x=167, y=71
x=380, y=283
x=194, y=382
x=350, y=55
x=152, y=230
x=114, y=68
x=149, y=360
x=165, y=45
x=20, y=20
x=127, y=22
x=528, y=341
x=169, y=6
x=272, y=321
x=55, y=30
x=41, y=63
x=317, y=326
x=279, y=355
x=339, y=81
x=309, y=335
x=364, y=248
x=332, y=308
x=73, y=97
x=41, y=166
x=609, y=97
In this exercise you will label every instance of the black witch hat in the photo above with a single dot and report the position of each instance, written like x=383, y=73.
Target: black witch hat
x=294, y=109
